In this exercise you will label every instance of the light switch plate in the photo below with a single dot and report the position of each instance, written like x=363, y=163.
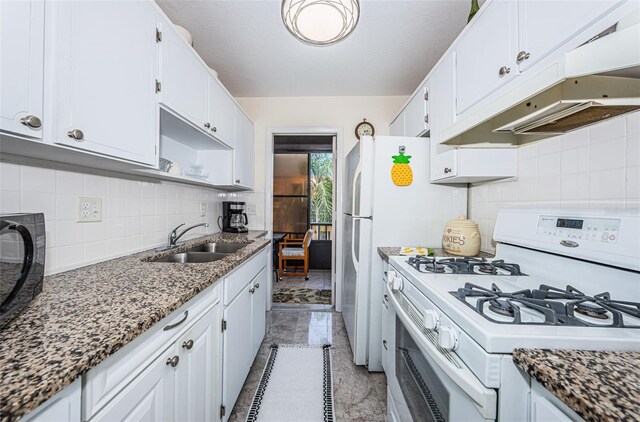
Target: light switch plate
x=203, y=209
x=251, y=209
x=89, y=209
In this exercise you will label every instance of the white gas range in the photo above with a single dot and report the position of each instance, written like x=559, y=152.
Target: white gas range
x=560, y=279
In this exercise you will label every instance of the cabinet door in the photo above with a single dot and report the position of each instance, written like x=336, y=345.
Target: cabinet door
x=442, y=91
x=222, y=113
x=543, y=26
x=396, y=128
x=199, y=354
x=415, y=114
x=184, y=79
x=486, y=53
x=258, y=311
x=244, y=151
x=236, y=357
x=65, y=406
x=21, y=66
x=149, y=397
x=105, y=57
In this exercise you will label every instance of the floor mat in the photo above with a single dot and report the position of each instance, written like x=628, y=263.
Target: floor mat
x=307, y=296
x=296, y=385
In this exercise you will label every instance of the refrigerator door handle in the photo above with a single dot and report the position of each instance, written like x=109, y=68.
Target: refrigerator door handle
x=353, y=246
x=355, y=198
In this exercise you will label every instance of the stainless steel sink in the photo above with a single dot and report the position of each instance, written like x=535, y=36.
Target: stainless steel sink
x=192, y=257
x=218, y=247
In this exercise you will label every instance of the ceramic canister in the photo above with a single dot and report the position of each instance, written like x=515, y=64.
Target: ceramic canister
x=461, y=237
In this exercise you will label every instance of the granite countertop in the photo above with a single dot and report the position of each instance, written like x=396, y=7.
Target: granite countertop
x=598, y=386
x=385, y=252
x=84, y=315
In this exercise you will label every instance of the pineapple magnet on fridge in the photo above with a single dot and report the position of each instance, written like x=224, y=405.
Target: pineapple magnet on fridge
x=401, y=173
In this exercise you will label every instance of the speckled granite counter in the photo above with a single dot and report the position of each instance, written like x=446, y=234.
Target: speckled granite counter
x=386, y=252
x=85, y=315
x=598, y=386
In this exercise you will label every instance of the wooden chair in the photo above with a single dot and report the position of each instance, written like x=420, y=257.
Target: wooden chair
x=294, y=250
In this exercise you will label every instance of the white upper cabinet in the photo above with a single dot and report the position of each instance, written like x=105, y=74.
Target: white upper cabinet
x=184, y=81
x=104, y=56
x=443, y=95
x=545, y=25
x=243, y=162
x=396, y=128
x=416, y=114
x=221, y=113
x=486, y=53
x=21, y=67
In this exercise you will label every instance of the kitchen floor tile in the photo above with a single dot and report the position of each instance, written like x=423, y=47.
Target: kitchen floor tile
x=359, y=395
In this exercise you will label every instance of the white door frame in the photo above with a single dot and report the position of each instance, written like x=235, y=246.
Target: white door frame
x=336, y=245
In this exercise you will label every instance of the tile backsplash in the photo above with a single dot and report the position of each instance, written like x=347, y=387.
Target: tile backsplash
x=137, y=214
x=594, y=167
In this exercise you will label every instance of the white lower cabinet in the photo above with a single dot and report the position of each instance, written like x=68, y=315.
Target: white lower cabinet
x=244, y=329
x=149, y=397
x=63, y=407
x=545, y=407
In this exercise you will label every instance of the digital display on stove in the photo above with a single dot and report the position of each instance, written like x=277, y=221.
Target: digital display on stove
x=569, y=224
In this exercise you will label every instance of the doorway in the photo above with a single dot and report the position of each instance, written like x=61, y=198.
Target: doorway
x=303, y=210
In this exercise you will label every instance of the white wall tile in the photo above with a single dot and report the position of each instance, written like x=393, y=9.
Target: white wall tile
x=9, y=177
x=135, y=213
x=594, y=167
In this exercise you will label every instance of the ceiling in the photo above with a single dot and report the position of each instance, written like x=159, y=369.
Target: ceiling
x=392, y=49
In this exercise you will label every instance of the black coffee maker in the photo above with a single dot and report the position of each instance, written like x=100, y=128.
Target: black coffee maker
x=234, y=219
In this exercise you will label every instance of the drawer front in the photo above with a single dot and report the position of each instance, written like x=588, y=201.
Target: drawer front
x=242, y=276
x=105, y=381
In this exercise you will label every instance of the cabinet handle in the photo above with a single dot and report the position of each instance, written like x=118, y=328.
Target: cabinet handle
x=426, y=118
x=386, y=298
x=215, y=129
x=31, y=121
x=503, y=71
x=171, y=326
x=76, y=134
x=522, y=56
x=173, y=362
x=447, y=170
x=187, y=344
x=384, y=343
x=257, y=286
x=237, y=180
x=207, y=125
x=252, y=290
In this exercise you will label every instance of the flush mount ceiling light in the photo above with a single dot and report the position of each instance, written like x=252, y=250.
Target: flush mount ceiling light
x=320, y=22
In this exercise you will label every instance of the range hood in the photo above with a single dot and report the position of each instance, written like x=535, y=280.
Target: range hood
x=570, y=105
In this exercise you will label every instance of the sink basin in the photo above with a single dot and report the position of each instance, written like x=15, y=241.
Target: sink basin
x=218, y=247
x=192, y=257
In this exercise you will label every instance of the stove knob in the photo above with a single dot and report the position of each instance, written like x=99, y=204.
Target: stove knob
x=398, y=284
x=448, y=338
x=431, y=319
x=390, y=276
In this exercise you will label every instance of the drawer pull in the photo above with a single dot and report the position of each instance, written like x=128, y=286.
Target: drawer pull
x=172, y=326
x=447, y=170
x=386, y=298
x=384, y=343
x=503, y=71
x=252, y=290
x=31, y=121
x=76, y=134
x=187, y=344
x=257, y=286
x=173, y=362
x=522, y=56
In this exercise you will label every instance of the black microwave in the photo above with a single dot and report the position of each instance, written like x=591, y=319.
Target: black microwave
x=22, y=255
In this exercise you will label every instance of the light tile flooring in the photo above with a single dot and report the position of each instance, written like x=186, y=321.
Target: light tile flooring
x=359, y=395
x=318, y=279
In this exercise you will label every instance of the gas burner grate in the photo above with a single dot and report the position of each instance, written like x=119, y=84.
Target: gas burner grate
x=464, y=265
x=559, y=307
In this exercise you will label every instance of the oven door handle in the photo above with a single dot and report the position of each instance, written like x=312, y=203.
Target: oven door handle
x=485, y=399
x=27, y=262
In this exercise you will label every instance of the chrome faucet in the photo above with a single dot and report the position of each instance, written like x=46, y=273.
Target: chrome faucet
x=174, y=236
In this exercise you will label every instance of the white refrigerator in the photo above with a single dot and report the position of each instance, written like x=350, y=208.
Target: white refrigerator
x=377, y=212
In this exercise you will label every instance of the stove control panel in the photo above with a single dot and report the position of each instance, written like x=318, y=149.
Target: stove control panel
x=571, y=230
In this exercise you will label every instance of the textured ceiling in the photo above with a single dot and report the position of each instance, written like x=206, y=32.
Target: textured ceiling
x=392, y=49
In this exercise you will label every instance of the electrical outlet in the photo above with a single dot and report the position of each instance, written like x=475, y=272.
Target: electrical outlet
x=251, y=209
x=89, y=209
x=203, y=209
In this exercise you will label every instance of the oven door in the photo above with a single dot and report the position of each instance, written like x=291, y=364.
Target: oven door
x=429, y=383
